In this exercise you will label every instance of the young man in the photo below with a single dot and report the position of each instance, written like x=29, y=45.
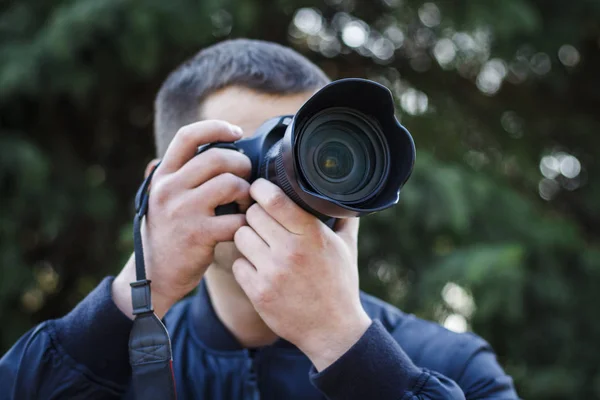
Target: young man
x=279, y=314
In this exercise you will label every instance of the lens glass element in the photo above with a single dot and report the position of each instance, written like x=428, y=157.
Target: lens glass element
x=333, y=160
x=342, y=155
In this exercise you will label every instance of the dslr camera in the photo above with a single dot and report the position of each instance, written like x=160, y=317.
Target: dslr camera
x=344, y=154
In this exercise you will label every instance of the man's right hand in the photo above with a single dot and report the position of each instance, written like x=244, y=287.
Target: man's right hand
x=181, y=230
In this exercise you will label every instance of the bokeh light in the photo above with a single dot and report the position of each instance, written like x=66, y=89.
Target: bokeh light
x=458, y=299
x=570, y=166
x=550, y=167
x=414, y=102
x=430, y=15
x=559, y=170
x=540, y=63
x=354, y=34
x=308, y=20
x=444, y=51
x=456, y=323
x=382, y=49
x=395, y=34
x=491, y=76
x=568, y=55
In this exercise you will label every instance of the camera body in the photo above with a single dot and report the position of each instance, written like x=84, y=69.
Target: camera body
x=344, y=154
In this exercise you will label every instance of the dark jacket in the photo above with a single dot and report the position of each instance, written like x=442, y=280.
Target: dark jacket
x=84, y=356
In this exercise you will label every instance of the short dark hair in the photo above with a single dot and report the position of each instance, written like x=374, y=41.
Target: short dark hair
x=263, y=66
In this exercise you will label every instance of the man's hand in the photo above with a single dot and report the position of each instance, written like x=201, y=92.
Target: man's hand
x=181, y=229
x=301, y=276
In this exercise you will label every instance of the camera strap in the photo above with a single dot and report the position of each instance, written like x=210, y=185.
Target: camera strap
x=150, y=353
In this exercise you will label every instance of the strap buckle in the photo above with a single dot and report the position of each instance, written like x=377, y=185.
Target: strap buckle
x=140, y=297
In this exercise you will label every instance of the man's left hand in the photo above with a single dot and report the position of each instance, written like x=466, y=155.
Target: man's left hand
x=300, y=275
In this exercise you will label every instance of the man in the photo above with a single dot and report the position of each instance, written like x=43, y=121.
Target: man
x=278, y=314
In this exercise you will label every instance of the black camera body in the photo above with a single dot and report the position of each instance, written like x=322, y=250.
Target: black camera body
x=344, y=154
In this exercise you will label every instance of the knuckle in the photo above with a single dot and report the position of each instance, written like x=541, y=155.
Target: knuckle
x=160, y=192
x=243, y=186
x=279, y=276
x=276, y=200
x=237, y=184
x=297, y=258
x=295, y=255
x=264, y=296
x=230, y=179
x=195, y=237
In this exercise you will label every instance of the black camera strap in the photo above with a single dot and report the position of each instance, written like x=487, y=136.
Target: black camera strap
x=150, y=353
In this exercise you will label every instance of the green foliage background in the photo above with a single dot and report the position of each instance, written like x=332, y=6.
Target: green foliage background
x=488, y=89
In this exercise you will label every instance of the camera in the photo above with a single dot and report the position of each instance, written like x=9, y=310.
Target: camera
x=344, y=154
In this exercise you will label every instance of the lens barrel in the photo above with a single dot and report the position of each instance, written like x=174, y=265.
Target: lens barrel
x=344, y=154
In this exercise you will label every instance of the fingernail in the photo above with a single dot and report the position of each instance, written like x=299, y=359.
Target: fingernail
x=237, y=130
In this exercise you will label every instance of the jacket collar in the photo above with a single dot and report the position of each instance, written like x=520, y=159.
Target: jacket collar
x=211, y=331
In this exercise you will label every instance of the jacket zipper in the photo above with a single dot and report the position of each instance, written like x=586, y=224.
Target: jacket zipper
x=253, y=375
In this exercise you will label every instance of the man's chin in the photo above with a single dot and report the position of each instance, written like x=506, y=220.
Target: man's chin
x=225, y=255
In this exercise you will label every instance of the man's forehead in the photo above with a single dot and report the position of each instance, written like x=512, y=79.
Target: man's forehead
x=249, y=108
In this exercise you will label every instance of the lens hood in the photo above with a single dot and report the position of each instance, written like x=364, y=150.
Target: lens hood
x=373, y=104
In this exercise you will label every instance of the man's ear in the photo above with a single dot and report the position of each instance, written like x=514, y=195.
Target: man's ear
x=150, y=167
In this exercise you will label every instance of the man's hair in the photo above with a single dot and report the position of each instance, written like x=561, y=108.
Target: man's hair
x=262, y=66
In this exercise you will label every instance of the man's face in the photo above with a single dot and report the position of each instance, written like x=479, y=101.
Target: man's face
x=247, y=109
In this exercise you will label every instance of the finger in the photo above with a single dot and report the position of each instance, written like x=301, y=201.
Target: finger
x=223, y=189
x=246, y=276
x=186, y=141
x=347, y=229
x=264, y=225
x=211, y=163
x=252, y=247
x=278, y=205
x=223, y=227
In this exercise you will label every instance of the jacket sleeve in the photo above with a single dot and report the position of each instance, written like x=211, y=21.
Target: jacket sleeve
x=82, y=355
x=376, y=367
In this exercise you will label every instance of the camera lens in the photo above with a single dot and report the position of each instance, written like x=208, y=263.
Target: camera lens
x=333, y=160
x=342, y=155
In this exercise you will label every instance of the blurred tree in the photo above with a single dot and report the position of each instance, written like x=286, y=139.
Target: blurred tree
x=497, y=231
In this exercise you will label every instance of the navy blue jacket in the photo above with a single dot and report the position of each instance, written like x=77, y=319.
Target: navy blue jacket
x=84, y=356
